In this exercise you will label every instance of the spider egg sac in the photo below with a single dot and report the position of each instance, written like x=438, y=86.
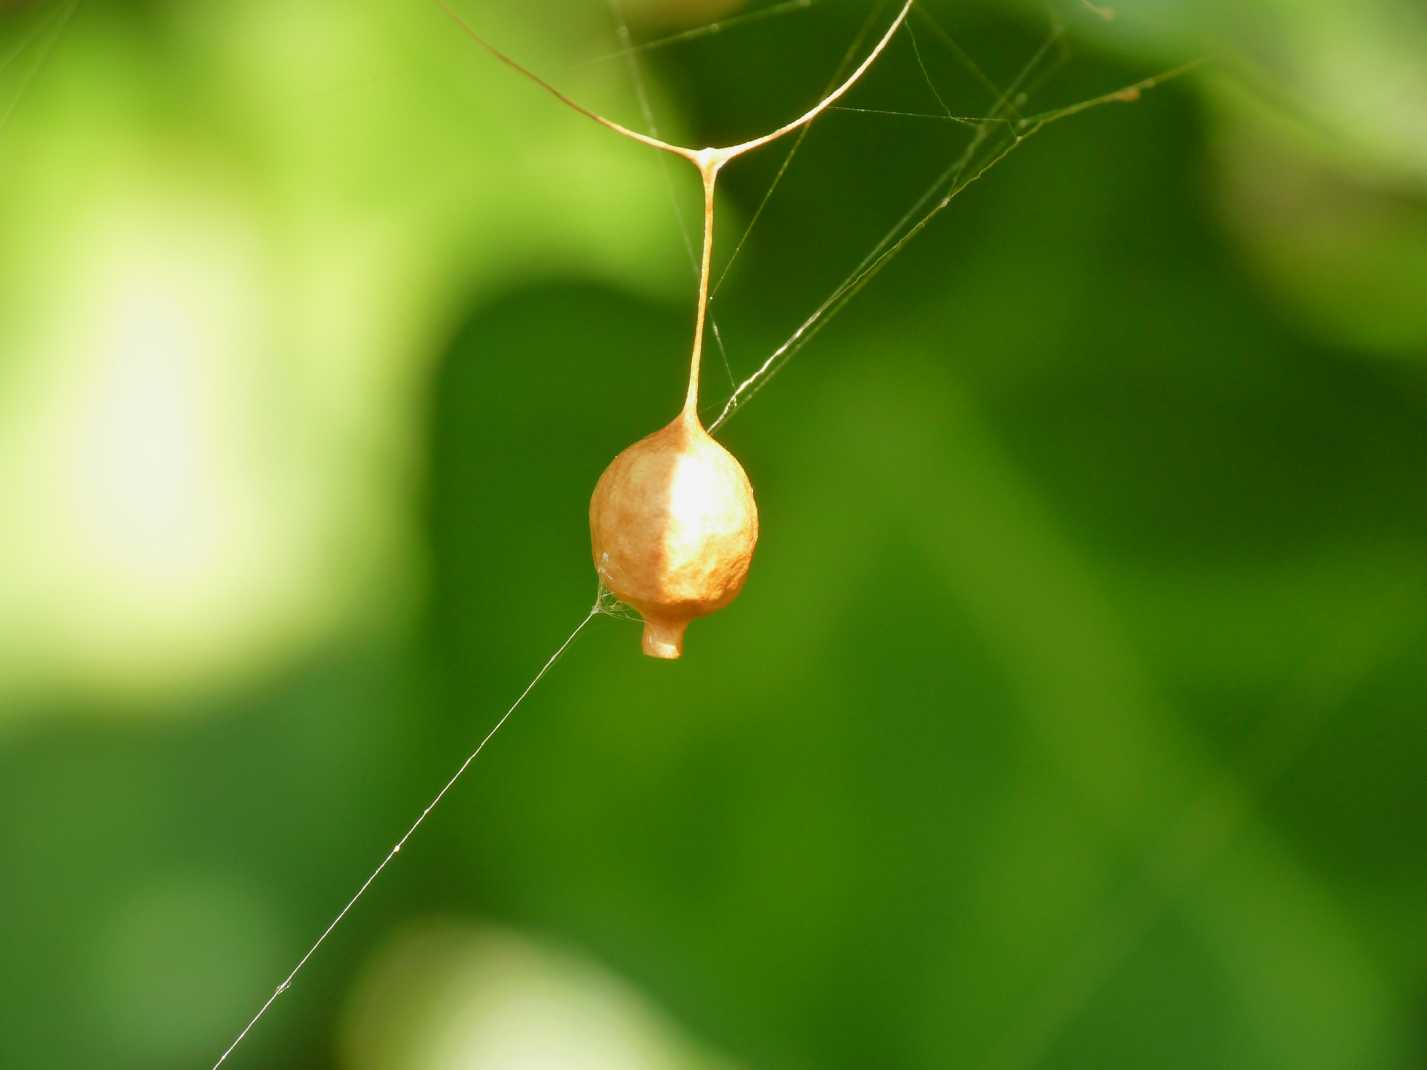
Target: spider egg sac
x=673, y=525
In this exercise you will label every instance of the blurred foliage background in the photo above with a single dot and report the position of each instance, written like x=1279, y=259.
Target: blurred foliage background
x=1072, y=715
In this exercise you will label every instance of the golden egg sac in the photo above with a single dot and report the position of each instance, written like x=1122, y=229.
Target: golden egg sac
x=673, y=525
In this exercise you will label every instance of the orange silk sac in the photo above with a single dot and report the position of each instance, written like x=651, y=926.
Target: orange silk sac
x=673, y=525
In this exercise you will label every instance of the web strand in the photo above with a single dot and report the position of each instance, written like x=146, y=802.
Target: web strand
x=396, y=850
x=926, y=74
x=628, y=48
x=646, y=110
x=881, y=253
x=857, y=42
x=962, y=57
x=954, y=180
x=871, y=264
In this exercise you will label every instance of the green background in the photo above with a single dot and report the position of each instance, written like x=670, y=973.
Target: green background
x=1072, y=715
